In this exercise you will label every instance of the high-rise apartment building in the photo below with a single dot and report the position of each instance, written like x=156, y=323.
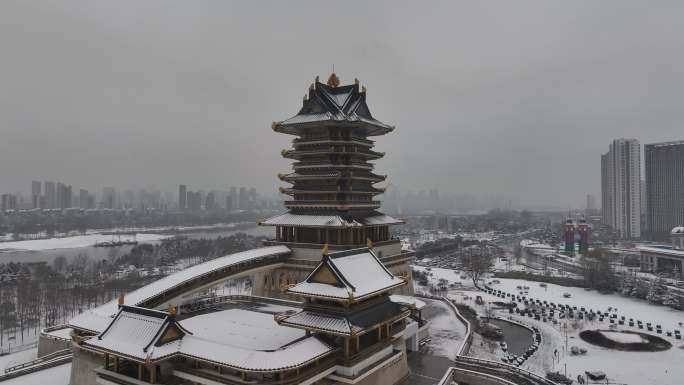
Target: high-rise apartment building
x=50, y=195
x=664, y=169
x=35, y=194
x=83, y=199
x=182, y=197
x=621, y=187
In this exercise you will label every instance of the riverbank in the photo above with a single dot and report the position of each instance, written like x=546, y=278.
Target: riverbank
x=46, y=250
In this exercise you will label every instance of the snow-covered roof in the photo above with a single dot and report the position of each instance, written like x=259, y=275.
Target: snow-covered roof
x=323, y=322
x=356, y=321
x=350, y=275
x=97, y=319
x=407, y=300
x=330, y=220
x=335, y=104
x=255, y=341
x=662, y=250
x=135, y=332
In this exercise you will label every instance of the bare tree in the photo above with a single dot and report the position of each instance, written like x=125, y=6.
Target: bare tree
x=474, y=266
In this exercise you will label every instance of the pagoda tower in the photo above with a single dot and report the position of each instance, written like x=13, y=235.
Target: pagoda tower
x=333, y=184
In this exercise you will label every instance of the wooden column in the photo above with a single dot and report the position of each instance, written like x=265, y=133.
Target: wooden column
x=116, y=364
x=346, y=348
x=357, y=344
x=106, y=358
x=140, y=372
x=153, y=374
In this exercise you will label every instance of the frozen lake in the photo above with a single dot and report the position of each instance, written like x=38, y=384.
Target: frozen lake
x=46, y=250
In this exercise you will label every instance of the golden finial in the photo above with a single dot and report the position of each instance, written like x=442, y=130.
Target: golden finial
x=369, y=243
x=172, y=310
x=356, y=81
x=333, y=80
x=324, y=251
x=120, y=299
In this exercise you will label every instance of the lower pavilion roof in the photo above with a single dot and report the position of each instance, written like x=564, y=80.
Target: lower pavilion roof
x=348, y=276
x=349, y=324
x=255, y=342
x=331, y=220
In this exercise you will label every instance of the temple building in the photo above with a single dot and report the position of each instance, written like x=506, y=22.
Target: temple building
x=333, y=184
x=326, y=304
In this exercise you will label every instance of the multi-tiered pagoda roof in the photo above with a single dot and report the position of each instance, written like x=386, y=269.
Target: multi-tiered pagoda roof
x=332, y=183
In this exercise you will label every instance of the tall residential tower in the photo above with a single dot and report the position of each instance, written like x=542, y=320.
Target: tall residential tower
x=621, y=187
x=664, y=168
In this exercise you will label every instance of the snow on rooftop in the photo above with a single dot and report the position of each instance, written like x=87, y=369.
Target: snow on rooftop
x=243, y=329
x=237, y=338
x=362, y=274
x=662, y=250
x=64, y=333
x=407, y=300
x=329, y=220
x=322, y=322
x=97, y=319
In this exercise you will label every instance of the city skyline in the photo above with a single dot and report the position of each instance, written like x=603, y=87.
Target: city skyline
x=532, y=97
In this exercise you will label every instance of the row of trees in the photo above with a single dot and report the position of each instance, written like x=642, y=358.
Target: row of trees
x=52, y=294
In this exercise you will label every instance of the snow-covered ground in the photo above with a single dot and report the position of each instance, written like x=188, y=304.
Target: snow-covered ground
x=446, y=331
x=59, y=375
x=626, y=306
x=623, y=338
x=72, y=242
x=17, y=358
x=632, y=368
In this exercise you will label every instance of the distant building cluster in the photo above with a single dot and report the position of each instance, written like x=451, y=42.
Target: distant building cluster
x=51, y=195
x=642, y=208
x=235, y=199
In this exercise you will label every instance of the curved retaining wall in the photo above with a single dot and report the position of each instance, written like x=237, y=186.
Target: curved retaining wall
x=477, y=371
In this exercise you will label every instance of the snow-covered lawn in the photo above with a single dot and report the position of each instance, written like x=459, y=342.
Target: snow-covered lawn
x=17, y=358
x=624, y=338
x=626, y=306
x=622, y=367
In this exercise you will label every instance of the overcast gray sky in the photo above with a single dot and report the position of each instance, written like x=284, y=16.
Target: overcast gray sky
x=512, y=97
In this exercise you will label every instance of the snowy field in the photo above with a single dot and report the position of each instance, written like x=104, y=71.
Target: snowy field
x=73, y=242
x=59, y=375
x=630, y=368
x=17, y=358
x=626, y=306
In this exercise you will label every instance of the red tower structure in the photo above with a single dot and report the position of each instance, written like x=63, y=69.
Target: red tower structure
x=583, y=230
x=569, y=236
